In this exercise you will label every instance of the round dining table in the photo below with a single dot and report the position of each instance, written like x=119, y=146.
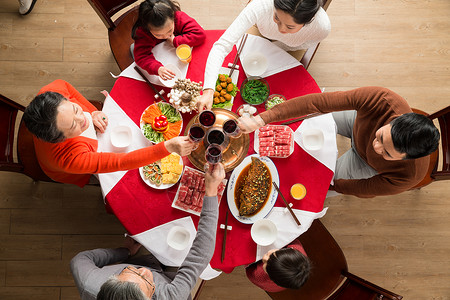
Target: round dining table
x=141, y=208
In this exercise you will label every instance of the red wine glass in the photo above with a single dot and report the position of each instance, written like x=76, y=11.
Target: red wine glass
x=207, y=118
x=231, y=128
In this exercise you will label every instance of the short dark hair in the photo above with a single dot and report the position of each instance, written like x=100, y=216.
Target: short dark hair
x=288, y=268
x=303, y=11
x=415, y=135
x=154, y=13
x=115, y=289
x=40, y=117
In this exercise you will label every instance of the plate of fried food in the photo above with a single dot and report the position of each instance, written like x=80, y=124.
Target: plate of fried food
x=251, y=195
x=161, y=122
x=226, y=89
x=163, y=173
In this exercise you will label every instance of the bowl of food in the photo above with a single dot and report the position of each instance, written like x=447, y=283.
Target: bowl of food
x=255, y=90
x=178, y=238
x=273, y=100
x=264, y=232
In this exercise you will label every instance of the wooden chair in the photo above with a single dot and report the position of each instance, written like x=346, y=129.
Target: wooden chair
x=434, y=171
x=119, y=31
x=27, y=162
x=329, y=277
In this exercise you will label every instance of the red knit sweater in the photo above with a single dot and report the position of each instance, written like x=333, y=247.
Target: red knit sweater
x=187, y=31
x=75, y=159
x=376, y=107
x=260, y=278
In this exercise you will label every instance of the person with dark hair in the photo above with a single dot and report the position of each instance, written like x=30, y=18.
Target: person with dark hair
x=290, y=24
x=280, y=269
x=63, y=124
x=110, y=274
x=159, y=21
x=390, y=144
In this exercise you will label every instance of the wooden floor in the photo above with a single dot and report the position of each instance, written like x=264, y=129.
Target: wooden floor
x=400, y=242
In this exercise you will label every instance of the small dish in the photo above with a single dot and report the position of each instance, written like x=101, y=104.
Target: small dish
x=171, y=82
x=264, y=232
x=178, y=238
x=255, y=63
x=312, y=139
x=255, y=90
x=273, y=100
x=246, y=109
x=121, y=136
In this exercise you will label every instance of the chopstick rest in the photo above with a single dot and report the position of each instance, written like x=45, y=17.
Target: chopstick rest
x=286, y=210
x=229, y=227
x=286, y=203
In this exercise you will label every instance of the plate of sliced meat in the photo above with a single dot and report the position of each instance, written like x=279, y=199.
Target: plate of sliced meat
x=274, y=141
x=191, y=191
x=250, y=192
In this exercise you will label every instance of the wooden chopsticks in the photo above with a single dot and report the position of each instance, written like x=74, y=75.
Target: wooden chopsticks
x=149, y=83
x=224, y=237
x=239, y=50
x=301, y=118
x=287, y=204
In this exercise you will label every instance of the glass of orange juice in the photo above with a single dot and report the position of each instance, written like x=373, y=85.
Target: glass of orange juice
x=184, y=53
x=298, y=191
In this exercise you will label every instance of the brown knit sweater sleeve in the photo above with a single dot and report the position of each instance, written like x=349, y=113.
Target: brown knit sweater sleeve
x=361, y=98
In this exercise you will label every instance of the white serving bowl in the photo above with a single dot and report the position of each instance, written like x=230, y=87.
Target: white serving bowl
x=312, y=139
x=171, y=82
x=255, y=63
x=178, y=238
x=121, y=136
x=264, y=232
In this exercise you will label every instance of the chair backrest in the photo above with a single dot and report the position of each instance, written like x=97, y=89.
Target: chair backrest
x=8, y=116
x=328, y=264
x=309, y=54
x=26, y=156
x=355, y=287
x=108, y=8
x=443, y=117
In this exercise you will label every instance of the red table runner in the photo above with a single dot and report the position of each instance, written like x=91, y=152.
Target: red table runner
x=140, y=207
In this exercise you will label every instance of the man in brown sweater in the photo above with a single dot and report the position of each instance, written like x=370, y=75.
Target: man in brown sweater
x=390, y=144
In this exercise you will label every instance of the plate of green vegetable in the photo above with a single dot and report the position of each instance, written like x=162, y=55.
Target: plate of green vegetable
x=255, y=90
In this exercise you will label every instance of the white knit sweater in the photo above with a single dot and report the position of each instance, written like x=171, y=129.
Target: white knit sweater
x=260, y=12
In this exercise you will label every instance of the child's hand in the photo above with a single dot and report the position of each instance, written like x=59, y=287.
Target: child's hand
x=170, y=39
x=165, y=73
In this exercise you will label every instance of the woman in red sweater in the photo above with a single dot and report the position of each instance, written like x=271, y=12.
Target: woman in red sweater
x=159, y=21
x=280, y=269
x=63, y=123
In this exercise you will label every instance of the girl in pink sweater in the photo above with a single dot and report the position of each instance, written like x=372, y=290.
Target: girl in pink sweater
x=159, y=21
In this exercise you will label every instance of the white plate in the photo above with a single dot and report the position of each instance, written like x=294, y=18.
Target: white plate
x=142, y=123
x=171, y=82
x=291, y=149
x=163, y=186
x=272, y=196
x=234, y=79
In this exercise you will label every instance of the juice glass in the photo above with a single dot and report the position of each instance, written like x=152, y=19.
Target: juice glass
x=184, y=53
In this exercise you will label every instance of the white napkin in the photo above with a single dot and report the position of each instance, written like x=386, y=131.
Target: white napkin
x=155, y=241
x=116, y=116
x=278, y=60
x=288, y=230
x=165, y=54
x=327, y=155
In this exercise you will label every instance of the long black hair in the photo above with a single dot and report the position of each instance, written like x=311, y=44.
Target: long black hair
x=154, y=13
x=303, y=11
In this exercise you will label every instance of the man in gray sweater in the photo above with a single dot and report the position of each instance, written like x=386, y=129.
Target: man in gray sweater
x=109, y=274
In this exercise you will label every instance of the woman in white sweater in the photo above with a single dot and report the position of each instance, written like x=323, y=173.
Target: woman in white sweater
x=290, y=24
